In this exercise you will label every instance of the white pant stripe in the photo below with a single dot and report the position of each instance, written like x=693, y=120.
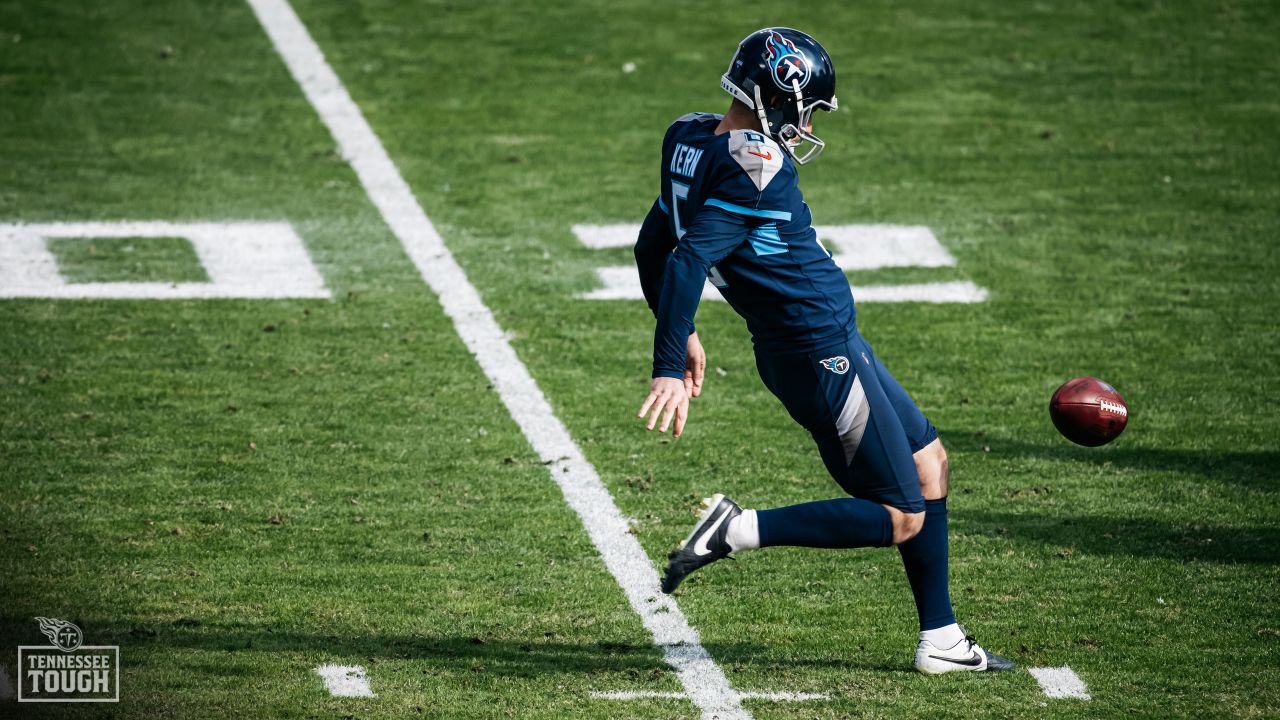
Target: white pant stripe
x=852, y=422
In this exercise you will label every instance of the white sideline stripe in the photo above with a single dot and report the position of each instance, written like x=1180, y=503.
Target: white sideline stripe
x=703, y=680
x=622, y=282
x=250, y=260
x=1060, y=682
x=345, y=680
x=6, y=688
x=646, y=694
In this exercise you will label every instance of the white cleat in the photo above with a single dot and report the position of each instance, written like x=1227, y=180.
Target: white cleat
x=964, y=656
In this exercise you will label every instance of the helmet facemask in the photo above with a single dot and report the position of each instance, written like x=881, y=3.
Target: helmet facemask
x=792, y=125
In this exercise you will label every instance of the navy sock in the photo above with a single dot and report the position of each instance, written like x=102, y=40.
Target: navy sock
x=925, y=558
x=838, y=523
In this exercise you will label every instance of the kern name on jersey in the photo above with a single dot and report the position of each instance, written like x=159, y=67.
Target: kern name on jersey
x=779, y=277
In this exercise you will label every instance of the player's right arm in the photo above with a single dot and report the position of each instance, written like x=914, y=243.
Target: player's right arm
x=713, y=234
x=653, y=246
x=739, y=201
x=751, y=187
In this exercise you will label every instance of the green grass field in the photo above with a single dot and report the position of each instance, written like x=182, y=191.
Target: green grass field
x=237, y=491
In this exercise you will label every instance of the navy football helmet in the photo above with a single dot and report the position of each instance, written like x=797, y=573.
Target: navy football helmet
x=784, y=75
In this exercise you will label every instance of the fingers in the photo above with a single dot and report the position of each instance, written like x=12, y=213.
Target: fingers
x=663, y=405
x=695, y=366
x=653, y=396
x=654, y=405
x=682, y=415
x=657, y=410
x=669, y=411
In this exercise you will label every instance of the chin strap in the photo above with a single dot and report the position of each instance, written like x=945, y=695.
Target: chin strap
x=788, y=137
x=764, y=120
x=778, y=137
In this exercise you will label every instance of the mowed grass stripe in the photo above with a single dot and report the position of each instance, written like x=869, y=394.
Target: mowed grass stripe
x=1085, y=251
x=1034, y=141
x=238, y=491
x=704, y=681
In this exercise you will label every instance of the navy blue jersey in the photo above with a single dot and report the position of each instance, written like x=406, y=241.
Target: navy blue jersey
x=730, y=210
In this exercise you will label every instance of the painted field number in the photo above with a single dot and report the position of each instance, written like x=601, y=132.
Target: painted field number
x=854, y=247
x=253, y=260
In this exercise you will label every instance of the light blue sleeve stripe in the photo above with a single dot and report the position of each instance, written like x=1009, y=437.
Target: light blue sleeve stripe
x=663, y=205
x=753, y=212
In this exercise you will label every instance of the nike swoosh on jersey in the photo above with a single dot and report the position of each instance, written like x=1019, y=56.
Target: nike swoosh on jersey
x=766, y=155
x=974, y=661
x=700, y=547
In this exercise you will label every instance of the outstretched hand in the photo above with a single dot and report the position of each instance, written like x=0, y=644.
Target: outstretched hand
x=668, y=398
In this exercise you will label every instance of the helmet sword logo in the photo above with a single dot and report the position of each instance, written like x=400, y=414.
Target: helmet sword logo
x=787, y=64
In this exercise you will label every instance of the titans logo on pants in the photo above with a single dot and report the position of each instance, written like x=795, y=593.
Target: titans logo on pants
x=838, y=364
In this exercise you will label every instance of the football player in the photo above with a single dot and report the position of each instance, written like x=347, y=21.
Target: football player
x=730, y=211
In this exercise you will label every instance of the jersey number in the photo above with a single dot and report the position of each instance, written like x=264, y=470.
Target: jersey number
x=680, y=194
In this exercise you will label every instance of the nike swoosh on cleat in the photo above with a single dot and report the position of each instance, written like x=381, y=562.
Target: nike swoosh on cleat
x=700, y=547
x=974, y=661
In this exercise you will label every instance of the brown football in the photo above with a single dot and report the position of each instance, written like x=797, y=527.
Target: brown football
x=1088, y=411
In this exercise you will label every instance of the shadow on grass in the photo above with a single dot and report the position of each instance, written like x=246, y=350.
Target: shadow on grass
x=533, y=656
x=1252, y=470
x=1101, y=535
x=1137, y=536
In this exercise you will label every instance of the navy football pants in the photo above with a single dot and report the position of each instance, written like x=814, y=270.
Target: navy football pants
x=866, y=426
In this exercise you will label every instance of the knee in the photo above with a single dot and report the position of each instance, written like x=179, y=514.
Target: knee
x=943, y=468
x=933, y=469
x=906, y=526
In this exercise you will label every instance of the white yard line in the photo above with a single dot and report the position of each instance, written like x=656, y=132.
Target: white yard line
x=702, y=678
x=1061, y=682
x=345, y=680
